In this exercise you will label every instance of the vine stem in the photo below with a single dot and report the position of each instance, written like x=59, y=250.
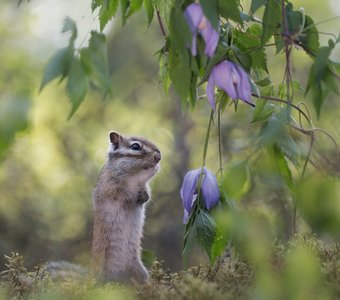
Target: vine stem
x=161, y=25
x=206, y=141
x=219, y=138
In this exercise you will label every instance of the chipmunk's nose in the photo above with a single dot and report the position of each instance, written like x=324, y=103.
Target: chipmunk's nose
x=157, y=157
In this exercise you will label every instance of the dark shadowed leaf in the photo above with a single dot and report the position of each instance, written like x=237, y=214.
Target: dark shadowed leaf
x=271, y=19
x=263, y=110
x=256, y=4
x=310, y=37
x=77, y=85
x=210, y=11
x=230, y=10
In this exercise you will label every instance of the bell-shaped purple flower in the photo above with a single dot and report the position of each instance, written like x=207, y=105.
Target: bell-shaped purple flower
x=231, y=78
x=198, y=23
x=209, y=190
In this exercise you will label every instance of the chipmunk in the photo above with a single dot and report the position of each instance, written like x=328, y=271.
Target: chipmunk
x=119, y=202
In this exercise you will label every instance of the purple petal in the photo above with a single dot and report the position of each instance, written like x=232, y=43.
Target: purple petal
x=185, y=217
x=211, y=91
x=211, y=37
x=194, y=44
x=224, y=78
x=189, y=189
x=244, y=88
x=193, y=14
x=210, y=189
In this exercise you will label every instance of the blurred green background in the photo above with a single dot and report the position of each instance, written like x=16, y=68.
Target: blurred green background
x=49, y=165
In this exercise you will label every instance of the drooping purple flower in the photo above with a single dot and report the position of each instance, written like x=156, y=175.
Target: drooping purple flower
x=209, y=189
x=231, y=78
x=198, y=23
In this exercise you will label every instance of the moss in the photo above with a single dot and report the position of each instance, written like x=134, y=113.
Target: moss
x=234, y=277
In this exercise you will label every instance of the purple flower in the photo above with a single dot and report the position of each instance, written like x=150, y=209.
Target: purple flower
x=209, y=189
x=231, y=78
x=199, y=23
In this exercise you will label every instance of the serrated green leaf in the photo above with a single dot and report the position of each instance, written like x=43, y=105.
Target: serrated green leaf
x=69, y=25
x=124, y=5
x=256, y=4
x=249, y=42
x=149, y=10
x=134, y=6
x=271, y=19
x=57, y=65
x=95, y=4
x=230, y=10
x=94, y=59
x=206, y=231
x=107, y=11
x=77, y=85
x=236, y=181
x=210, y=11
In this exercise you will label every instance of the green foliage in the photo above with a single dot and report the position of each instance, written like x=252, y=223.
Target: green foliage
x=13, y=118
x=236, y=181
x=271, y=20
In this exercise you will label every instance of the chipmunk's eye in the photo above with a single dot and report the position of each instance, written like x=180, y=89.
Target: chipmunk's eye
x=136, y=147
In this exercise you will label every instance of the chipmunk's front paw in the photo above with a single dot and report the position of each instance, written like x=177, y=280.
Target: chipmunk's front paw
x=143, y=196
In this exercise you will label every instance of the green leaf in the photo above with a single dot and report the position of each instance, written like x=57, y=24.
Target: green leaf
x=319, y=203
x=310, y=37
x=179, y=59
x=294, y=19
x=210, y=11
x=206, y=231
x=230, y=10
x=149, y=10
x=180, y=73
x=249, y=42
x=256, y=4
x=69, y=25
x=94, y=59
x=236, y=181
x=321, y=62
x=243, y=58
x=282, y=166
x=263, y=110
x=95, y=4
x=57, y=65
x=77, y=85
x=190, y=239
x=271, y=19
x=134, y=6
x=107, y=11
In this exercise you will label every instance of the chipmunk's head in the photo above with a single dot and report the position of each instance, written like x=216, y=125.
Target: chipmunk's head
x=133, y=156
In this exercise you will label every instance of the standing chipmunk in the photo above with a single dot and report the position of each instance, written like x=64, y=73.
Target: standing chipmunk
x=119, y=202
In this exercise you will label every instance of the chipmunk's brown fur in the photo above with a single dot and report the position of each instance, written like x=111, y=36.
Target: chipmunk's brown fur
x=118, y=199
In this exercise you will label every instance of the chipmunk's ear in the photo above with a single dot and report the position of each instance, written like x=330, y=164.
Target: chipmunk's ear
x=115, y=139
